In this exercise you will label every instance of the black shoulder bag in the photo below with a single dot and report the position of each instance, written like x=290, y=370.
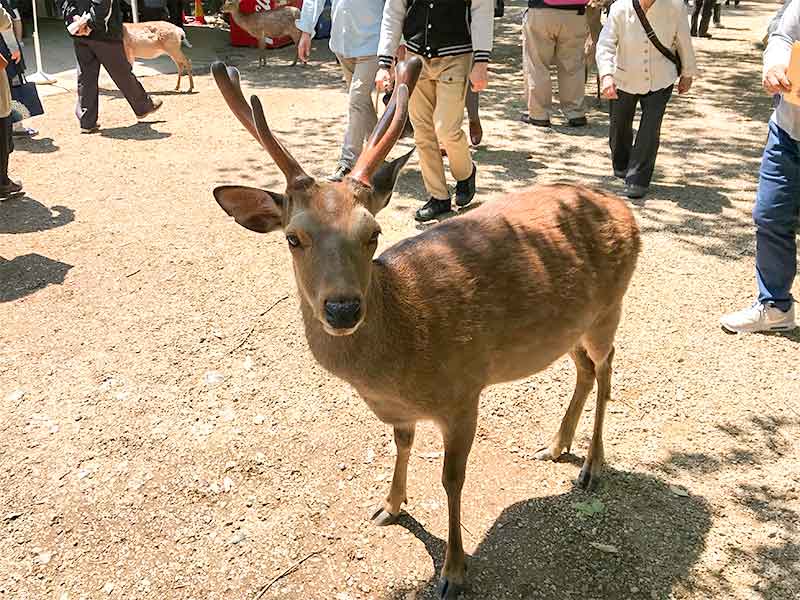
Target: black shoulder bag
x=673, y=57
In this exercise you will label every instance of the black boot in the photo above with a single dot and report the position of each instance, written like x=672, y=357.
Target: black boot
x=465, y=190
x=432, y=209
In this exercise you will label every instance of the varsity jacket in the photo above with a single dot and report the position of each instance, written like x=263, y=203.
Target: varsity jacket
x=105, y=17
x=437, y=28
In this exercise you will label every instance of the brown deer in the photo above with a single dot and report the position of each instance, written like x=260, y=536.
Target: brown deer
x=492, y=295
x=279, y=22
x=154, y=38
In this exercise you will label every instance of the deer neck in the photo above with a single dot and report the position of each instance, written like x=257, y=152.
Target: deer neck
x=360, y=358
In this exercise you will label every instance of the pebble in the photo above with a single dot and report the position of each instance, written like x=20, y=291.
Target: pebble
x=213, y=378
x=259, y=419
x=108, y=588
x=227, y=484
x=15, y=396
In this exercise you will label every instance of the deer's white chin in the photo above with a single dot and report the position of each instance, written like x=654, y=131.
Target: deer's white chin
x=340, y=332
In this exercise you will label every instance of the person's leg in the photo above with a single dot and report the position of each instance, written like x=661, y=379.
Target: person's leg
x=362, y=117
x=175, y=8
x=571, y=64
x=620, y=131
x=448, y=119
x=776, y=218
x=5, y=150
x=349, y=153
x=88, y=91
x=705, y=19
x=538, y=47
x=698, y=6
x=112, y=57
x=648, y=138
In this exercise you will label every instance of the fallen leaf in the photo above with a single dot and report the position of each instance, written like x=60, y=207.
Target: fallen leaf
x=605, y=547
x=590, y=508
x=679, y=491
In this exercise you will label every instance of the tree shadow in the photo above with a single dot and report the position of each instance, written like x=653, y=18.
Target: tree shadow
x=26, y=215
x=29, y=273
x=35, y=145
x=138, y=131
x=646, y=541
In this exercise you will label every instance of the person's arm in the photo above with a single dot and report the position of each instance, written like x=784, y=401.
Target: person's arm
x=394, y=12
x=684, y=45
x=5, y=21
x=779, y=50
x=309, y=15
x=99, y=14
x=482, y=30
x=606, y=52
x=69, y=11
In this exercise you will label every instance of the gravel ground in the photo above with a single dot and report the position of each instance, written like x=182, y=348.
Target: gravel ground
x=166, y=434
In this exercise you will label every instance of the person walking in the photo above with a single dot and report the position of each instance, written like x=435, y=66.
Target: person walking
x=776, y=213
x=454, y=45
x=703, y=10
x=554, y=31
x=355, y=30
x=8, y=188
x=99, y=42
x=637, y=68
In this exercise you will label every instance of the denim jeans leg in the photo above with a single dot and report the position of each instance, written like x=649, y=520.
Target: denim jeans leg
x=776, y=218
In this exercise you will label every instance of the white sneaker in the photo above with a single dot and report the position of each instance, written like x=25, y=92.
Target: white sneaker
x=759, y=317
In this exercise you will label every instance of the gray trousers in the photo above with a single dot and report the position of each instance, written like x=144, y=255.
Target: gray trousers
x=91, y=54
x=359, y=74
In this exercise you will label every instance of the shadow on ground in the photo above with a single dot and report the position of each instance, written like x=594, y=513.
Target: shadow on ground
x=27, y=215
x=646, y=539
x=29, y=273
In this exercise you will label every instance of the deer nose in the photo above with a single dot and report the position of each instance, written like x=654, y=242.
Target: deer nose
x=342, y=314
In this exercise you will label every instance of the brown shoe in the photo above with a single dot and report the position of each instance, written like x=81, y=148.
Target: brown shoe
x=157, y=103
x=475, y=132
x=9, y=190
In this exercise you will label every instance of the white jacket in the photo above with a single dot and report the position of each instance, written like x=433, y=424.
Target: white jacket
x=625, y=52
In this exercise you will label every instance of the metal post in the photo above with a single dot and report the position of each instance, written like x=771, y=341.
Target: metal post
x=40, y=76
x=135, y=10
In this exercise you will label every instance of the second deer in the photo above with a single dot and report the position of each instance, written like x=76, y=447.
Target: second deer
x=156, y=38
x=493, y=295
x=279, y=22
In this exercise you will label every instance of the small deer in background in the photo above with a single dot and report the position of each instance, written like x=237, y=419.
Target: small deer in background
x=279, y=22
x=155, y=38
x=493, y=295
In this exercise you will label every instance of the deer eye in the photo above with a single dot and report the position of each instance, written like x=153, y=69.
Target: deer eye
x=293, y=240
x=374, y=238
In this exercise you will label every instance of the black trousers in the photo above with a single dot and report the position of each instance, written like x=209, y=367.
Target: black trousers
x=175, y=8
x=636, y=161
x=6, y=148
x=707, y=9
x=91, y=54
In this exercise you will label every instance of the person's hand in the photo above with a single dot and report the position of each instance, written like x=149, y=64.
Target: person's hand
x=384, y=80
x=608, y=88
x=304, y=47
x=775, y=80
x=16, y=56
x=401, y=54
x=684, y=84
x=479, y=77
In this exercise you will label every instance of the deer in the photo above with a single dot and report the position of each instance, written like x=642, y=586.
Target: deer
x=274, y=23
x=489, y=296
x=155, y=38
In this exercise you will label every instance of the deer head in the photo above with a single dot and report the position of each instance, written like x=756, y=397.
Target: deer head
x=330, y=228
x=230, y=6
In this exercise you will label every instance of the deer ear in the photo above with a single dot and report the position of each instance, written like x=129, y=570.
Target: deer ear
x=252, y=208
x=384, y=180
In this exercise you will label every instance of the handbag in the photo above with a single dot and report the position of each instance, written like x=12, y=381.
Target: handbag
x=25, y=99
x=673, y=57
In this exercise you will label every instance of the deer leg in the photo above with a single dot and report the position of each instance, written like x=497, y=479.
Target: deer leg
x=562, y=440
x=458, y=436
x=189, y=71
x=599, y=343
x=180, y=72
x=403, y=439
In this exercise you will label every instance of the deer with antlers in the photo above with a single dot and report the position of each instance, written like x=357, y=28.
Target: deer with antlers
x=490, y=296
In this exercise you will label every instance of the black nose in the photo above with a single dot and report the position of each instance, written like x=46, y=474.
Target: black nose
x=342, y=314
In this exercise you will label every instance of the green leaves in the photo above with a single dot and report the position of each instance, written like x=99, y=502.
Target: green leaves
x=588, y=509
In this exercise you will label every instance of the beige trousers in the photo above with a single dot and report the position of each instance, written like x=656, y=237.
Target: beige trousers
x=437, y=113
x=359, y=75
x=549, y=36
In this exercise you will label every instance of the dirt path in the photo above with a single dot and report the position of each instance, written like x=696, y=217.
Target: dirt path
x=163, y=435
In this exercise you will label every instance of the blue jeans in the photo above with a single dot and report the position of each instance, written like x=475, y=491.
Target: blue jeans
x=777, y=216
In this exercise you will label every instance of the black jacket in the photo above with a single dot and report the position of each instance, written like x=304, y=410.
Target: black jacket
x=105, y=19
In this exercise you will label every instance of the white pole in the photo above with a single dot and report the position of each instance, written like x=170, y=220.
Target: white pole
x=40, y=76
x=135, y=10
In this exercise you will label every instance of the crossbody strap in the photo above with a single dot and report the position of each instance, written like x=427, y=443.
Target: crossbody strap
x=673, y=57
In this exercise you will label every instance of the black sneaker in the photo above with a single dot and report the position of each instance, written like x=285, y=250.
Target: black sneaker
x=634, y=191
x=432, y=209
x=465, y=190
x=620, y=174
x=340, y=173
x=537, y=122
x=577, y=122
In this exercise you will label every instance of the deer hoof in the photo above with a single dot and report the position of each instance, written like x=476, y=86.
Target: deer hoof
x=546, y=454
x=382, y=518
x=449, y=590
x=586, y=479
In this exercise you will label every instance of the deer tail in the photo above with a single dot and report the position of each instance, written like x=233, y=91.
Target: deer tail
x=184, y=40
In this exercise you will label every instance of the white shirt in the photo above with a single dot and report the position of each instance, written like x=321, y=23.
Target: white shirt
x=779, y=49
x=625, y=52
x=355, y=25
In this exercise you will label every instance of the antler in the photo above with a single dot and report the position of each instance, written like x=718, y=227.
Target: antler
x=253, y=119
x=390, y=127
